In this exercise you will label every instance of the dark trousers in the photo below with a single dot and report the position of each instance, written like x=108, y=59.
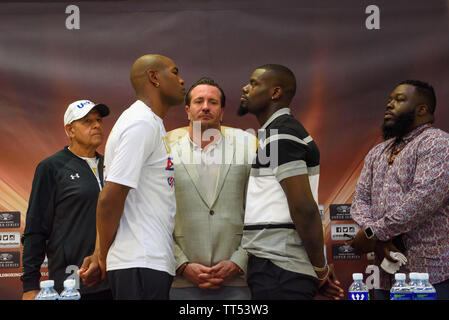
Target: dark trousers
x=270, y=282
x=140, y=284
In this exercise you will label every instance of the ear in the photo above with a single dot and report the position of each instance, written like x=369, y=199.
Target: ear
x=277, y=93
x=187, y=109
x=153, y=77
x=222, y=113
x=422, y=110
x=69, y=131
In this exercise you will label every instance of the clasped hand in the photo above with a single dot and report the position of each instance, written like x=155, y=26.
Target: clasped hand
x=210, y=277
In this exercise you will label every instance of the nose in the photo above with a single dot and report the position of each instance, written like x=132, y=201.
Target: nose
x=98, y=124
x=205, y=108
x=390, y=104
x=245, y=88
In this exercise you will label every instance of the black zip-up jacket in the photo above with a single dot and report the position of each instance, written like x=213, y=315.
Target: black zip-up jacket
x=61, y=219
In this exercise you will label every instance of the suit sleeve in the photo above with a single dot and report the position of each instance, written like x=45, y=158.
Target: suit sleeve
x=240, y=258
x=180, y=256
x=39, y=219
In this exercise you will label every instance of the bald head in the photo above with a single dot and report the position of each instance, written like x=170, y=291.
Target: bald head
x=142, y=65
x=283, y=77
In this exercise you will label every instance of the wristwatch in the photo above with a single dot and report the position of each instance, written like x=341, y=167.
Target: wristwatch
x=369, y=233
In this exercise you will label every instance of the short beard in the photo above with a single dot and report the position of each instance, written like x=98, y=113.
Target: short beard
x=241, y=111
x=400, y=127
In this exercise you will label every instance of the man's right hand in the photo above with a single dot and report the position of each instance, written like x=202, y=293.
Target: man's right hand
x=201, y=276
x=90, y=271
x=30, y=295
x=329, y=286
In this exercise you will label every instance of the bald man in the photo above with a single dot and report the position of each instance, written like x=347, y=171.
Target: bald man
x=136, y=208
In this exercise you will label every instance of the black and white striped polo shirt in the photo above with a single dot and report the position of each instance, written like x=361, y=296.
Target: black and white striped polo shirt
x=285, y=149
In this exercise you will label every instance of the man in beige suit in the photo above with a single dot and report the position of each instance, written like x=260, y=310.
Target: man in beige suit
x=212, y=168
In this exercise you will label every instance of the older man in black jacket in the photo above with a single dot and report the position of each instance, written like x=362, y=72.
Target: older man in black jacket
x=61, y=216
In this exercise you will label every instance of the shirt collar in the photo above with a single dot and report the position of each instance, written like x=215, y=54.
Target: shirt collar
x=146, y=107
x=412, y=133
x=210, y=146
x=275, y=115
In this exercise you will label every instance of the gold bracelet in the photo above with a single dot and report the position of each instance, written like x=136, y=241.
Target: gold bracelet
x=318, y=269
x=327, y=273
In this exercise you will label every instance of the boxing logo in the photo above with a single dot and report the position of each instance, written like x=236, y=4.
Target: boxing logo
x=169, y=164
x=171, y=182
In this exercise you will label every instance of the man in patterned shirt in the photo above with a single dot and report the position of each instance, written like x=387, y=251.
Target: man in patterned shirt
x=402, y=192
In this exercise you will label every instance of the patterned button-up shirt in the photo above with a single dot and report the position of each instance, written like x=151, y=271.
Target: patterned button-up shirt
x=410, y=197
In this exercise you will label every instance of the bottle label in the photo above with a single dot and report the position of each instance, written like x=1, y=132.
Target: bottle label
x=426, y=296
x=358, y=295
x=401, y=296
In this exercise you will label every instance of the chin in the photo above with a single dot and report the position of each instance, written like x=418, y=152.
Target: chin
x=96, y=142
x=209, y=125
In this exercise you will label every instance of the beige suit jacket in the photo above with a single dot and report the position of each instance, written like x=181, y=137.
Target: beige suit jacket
x=208, y=233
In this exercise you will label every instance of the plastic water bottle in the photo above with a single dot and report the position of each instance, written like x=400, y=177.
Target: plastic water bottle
x=418, y=286
x=400, y=290
x=358, y=290
x=427, y=291
x=47, y=291
x=70, y=292
x=414, y=283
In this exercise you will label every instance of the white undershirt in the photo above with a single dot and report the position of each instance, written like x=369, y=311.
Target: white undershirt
x=93, y=164
x=211, y=158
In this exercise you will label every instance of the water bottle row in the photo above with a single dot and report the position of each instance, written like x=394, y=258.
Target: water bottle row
x=49, y=293
x=418, y=287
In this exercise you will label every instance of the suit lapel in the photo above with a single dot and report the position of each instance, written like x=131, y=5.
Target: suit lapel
x=186, y=158
x=227, y=156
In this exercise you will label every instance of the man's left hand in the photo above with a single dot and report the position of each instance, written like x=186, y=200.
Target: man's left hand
x=383, y=249
x=225, y=269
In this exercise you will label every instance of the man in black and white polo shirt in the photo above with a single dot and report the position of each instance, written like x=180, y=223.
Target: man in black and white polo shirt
x=283, y=233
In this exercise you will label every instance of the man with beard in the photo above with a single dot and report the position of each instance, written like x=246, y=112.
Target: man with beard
x=283, y=232
x=402, y=193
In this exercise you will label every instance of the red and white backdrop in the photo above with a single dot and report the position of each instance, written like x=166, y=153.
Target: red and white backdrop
x=345, y=73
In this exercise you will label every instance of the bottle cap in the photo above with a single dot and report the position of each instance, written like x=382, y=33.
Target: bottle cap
x=413, y=275
x=357, y=276
x=399, y=276
x=69, y=283
x=47, y=284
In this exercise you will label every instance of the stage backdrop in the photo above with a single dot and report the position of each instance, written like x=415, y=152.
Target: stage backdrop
x=347, y=58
